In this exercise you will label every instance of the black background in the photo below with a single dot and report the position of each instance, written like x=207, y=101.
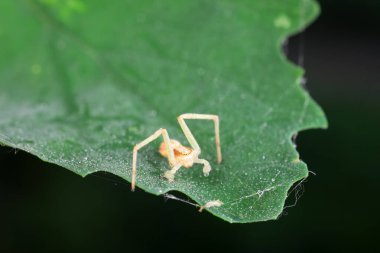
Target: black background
x=44, y=207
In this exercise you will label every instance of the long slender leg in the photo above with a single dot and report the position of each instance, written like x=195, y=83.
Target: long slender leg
x=190, y=137
x=171, y=158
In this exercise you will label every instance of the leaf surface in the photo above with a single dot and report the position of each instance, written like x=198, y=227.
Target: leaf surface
x=81, y=82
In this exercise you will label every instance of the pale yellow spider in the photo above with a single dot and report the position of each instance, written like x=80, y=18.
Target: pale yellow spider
x=177, y=154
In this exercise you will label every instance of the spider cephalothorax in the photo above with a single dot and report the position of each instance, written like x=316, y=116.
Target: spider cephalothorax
x=183, y=155
x=177, y=154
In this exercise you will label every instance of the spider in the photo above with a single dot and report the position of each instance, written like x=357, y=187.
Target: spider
x=177, y=154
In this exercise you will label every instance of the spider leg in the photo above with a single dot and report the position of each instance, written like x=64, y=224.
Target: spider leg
x=206, y=166
x=190, y=137
x=171, y=158
x=169, y=175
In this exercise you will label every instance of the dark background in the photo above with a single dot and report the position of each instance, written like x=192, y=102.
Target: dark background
x=44, y=207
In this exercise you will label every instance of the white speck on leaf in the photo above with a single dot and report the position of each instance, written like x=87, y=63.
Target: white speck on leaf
x=282, y=21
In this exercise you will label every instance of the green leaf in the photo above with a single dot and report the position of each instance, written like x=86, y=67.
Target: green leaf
x=83, y=81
